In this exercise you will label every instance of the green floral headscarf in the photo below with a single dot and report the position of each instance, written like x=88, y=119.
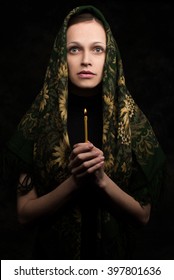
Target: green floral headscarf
x=127, y=134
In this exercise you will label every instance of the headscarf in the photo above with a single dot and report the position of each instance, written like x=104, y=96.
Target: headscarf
x=127, y=133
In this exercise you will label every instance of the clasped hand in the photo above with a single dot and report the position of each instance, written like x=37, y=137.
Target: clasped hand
x=86, y=159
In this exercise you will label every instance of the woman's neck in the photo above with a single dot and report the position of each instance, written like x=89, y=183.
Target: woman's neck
x=86, y=92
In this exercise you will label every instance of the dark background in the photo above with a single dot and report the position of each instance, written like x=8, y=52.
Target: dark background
x=145, y=35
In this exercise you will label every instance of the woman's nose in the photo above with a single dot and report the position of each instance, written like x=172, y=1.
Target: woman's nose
x=86, y=58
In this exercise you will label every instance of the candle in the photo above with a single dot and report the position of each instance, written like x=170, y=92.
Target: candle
x=86, y=125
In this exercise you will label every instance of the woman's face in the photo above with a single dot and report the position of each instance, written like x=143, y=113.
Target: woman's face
x=86, y=51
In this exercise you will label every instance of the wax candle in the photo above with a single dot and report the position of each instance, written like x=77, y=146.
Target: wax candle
x=86, y=124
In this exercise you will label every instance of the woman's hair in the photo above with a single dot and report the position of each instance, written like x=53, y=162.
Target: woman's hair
x=83, y=17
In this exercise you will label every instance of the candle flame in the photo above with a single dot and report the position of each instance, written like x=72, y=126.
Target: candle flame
x=85, y=111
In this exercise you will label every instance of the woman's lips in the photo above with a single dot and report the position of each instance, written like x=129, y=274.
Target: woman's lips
x=86, y=74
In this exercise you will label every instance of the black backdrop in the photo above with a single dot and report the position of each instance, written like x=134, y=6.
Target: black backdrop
x=144, y=33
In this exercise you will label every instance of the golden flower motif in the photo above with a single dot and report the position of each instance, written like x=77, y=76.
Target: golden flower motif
x=63, y=71
x=45, y=97
x=126, y=113
x=124, y=133
x=146, y=147
x=60, y=153
x=62, y=105
x=109, y=102
x=121, y=81
x=109, y=162
x=105, y=131
x=130, y=105
x=111, y=70
x=29, y=118
x=48, y=73
x=66, y=139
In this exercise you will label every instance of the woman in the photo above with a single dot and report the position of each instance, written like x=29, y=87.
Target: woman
x=85, y=194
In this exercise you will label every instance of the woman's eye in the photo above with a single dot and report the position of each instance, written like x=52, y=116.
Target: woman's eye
x=98, y=49
x=73, y=50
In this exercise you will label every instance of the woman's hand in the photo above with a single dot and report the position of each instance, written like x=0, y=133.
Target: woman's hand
x=86, y=159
